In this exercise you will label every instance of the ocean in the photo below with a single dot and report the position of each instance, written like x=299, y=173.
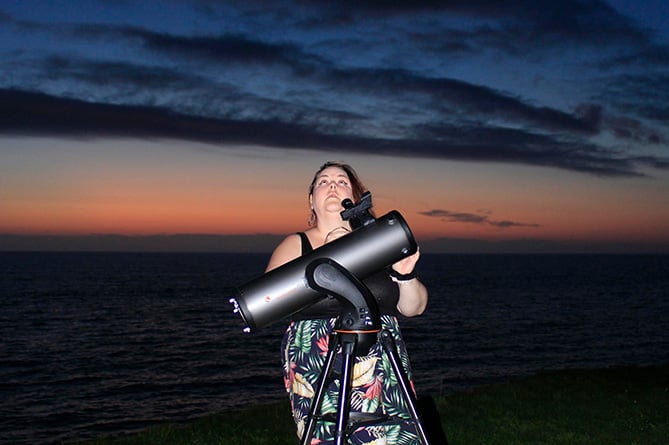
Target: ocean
x=97, y=344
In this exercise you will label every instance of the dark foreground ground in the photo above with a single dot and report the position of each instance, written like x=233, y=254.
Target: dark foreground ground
x=596, y=407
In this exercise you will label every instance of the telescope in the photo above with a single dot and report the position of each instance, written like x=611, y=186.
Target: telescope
x=373, y=244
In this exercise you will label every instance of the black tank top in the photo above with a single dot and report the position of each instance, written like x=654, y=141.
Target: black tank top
x=385, y=291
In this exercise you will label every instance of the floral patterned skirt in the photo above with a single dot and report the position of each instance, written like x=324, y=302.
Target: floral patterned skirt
x=375, y=387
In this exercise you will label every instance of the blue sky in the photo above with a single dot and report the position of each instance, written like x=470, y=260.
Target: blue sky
x=562, y=98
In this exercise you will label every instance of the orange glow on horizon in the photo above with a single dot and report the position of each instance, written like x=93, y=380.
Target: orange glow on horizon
x=250, y=217
x=126, y=190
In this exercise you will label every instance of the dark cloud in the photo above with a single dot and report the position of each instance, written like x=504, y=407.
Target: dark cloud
x=473, y=218
x=650, y=55
x=222, y=49
x=513, y=27
x=6, y=18
x=643, y=95
x=450, y=96
x=632, y=129
x=444, y=94
x=275, y=89
x=101, y=74
x=23, y=113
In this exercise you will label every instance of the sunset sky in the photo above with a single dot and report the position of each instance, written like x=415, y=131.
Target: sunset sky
x=527, y=126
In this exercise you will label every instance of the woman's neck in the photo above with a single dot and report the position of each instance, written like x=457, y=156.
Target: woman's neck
x=331, y=226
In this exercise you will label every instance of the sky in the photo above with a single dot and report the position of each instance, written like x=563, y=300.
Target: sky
x=492, y=127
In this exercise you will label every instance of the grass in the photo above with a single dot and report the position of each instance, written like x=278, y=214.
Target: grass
x=615, y=406
x=627, y=406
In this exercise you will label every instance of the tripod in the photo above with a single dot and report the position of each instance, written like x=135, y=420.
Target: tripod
x=357, y=328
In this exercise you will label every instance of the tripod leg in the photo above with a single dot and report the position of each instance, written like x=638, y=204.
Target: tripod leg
x=314, y=409
x=390, y=349
x=348, y=358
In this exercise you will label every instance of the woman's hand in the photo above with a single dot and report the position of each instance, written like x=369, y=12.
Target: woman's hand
x=408, y=264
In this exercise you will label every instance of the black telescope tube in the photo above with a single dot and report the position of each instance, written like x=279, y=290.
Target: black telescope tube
x=285, y=291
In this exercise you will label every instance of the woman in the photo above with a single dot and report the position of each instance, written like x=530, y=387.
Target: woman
x=397, y=290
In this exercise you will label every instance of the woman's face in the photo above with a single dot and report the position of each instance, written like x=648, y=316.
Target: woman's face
x=332, y=186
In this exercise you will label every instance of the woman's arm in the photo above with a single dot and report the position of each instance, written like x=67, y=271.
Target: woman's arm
x=413, y=298
x=413, y=293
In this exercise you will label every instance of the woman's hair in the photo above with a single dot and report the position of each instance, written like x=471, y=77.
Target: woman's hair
x=357, y=186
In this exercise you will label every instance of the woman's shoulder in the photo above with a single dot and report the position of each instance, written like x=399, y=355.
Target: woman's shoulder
x=288, y=249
